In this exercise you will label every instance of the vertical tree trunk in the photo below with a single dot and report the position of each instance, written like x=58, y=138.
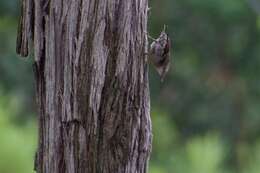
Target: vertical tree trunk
x=92, y=84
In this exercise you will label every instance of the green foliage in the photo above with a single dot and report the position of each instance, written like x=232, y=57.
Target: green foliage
x=164, y=135
x=254, y=160
x=213, y=85
x=17, y=144
x=201, y=154
x=205, y=154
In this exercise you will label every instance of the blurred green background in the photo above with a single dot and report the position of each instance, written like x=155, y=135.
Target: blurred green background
x=206, y=115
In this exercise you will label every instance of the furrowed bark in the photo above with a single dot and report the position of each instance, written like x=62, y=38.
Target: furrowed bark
x=92, y=85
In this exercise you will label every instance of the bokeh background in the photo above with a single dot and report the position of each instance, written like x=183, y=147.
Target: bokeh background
x=206, y=115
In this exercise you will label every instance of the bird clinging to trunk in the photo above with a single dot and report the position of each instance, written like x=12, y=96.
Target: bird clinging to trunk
x=159, y=53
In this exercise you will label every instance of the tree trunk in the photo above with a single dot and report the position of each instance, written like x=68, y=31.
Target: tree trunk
x=92, y=84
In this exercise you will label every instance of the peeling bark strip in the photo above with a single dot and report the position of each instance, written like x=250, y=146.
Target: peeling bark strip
x=92, y=84
x=25, y=29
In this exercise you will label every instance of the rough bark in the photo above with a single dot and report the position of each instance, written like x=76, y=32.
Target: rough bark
x=92, y=84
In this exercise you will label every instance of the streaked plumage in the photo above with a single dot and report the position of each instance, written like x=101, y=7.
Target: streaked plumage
x=159, y=54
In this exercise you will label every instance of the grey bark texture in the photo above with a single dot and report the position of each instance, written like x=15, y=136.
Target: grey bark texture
x=92, y=84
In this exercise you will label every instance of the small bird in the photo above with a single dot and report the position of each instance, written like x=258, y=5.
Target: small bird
x=159, y=53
